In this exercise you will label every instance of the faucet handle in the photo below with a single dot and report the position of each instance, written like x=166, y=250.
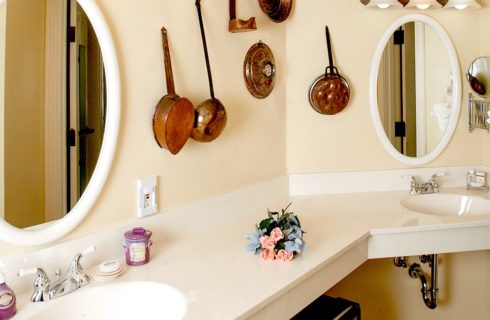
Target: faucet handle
x=409, y=177
x=58, y=274
x=413, y=183
x=76, y=269
x=41, y=284
x=433, y=181
x=24, y=272
x=88, y=250
x=433, y=178
x=76, y=259
x=438, y=174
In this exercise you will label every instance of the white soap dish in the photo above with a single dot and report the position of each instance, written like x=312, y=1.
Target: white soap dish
x=107, y=270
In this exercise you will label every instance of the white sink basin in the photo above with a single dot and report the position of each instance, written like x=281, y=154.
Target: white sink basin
x=123, y=300
x=447, y=204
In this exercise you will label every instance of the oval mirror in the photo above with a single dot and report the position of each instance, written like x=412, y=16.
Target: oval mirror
x=478, y=76
x=415, y=89
x=60, y=109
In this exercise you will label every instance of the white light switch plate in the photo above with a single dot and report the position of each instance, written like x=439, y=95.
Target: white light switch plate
x=146, y=195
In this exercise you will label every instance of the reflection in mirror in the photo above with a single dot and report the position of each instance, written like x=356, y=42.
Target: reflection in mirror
x=53, y=106
x=48, y=232
x=415, y=89
x=478, y=76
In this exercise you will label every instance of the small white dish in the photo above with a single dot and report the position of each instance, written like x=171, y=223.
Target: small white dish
x=107, y=270
x=110, y=266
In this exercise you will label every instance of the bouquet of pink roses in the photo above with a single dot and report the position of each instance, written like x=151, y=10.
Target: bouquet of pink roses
x=278, y=237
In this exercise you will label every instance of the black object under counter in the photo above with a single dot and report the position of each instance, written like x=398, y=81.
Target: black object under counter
x=329, y=308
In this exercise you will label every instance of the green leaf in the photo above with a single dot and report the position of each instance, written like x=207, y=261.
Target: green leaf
x=285, y=209
x=265, y=224
x=280, y=245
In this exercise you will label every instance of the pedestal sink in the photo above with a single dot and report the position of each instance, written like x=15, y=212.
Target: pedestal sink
x=447, y=204
x=123, y=300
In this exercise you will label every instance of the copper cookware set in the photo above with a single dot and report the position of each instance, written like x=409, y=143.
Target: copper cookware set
x=175, y=119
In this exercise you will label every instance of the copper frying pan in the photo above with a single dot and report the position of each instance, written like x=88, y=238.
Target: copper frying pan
x=173, y=118
x=330, y=92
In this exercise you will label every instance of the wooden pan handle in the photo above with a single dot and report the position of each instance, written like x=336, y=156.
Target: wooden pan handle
x=169, y=77
x=232, y=9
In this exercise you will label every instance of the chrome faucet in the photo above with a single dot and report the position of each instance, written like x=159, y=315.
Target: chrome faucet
x=431, y=186
x=74, y=279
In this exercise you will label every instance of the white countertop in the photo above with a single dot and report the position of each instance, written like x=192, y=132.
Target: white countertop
x=208, y=262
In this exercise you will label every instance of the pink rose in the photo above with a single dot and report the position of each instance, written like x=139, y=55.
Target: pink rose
x=267, y=242
x=284, y=255
x=277, y=234
x=268, y=255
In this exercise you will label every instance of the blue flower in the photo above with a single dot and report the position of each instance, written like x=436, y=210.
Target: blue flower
x=294, y=232
x=296, y=245
x=292, y=219
x=254, y=245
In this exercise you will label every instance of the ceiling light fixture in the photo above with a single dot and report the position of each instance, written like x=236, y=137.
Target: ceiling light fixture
x=424, y=4
x=462, y=4
x=382, y=4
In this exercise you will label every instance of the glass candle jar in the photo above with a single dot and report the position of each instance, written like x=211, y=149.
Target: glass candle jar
x=137, y=246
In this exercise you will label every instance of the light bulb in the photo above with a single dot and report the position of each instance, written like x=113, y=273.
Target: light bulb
x=383, y=4
x=462, y=4
x=424, y=4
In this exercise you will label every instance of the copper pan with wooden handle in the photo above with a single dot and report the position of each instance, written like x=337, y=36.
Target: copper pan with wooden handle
x=173, y=118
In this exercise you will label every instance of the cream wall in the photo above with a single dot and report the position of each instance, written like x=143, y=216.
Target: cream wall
x=347, y=141
x=252, y=147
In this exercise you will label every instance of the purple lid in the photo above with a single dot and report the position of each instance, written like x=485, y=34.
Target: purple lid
x=137, y=234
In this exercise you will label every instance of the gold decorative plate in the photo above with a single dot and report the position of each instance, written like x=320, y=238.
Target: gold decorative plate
x=259, y=70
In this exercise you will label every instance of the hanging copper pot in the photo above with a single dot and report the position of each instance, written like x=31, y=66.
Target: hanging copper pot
x=173, y=118
x=210, y=116
x=276, y=10
x=330, y=92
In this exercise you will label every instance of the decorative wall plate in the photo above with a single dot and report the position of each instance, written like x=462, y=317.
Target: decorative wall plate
x=259, y=70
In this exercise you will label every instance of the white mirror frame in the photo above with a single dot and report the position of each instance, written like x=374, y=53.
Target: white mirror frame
x=455, y=97
x=57, y=229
